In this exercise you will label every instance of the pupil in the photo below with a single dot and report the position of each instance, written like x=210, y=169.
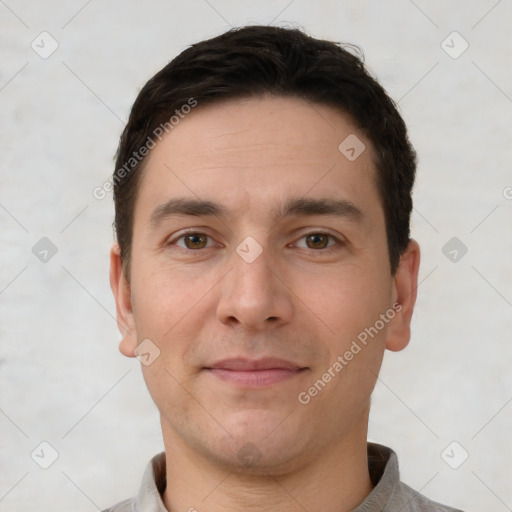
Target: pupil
x=318, y=240
x=196, y=241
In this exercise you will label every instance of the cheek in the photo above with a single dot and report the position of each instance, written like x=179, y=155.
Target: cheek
x=349, y=308
x=168, y=390
x=164, y=313
x=162, y=297
x=345, y=302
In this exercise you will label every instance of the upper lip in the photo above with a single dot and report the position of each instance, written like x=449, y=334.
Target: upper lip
x=243, y=364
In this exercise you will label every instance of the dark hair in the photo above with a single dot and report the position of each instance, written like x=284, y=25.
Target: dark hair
x=259, y=60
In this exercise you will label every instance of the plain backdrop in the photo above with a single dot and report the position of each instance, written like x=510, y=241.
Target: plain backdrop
x=63, y=381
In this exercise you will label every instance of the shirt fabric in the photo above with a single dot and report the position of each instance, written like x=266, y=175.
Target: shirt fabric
x=388, y=495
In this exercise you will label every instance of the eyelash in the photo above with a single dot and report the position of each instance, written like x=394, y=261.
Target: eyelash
x=333, y=246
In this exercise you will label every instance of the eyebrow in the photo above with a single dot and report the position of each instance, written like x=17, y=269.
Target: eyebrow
x=335, y=207
x=294, y=207
x=191, y=207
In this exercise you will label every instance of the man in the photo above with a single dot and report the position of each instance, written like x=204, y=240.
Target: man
x=262, y=266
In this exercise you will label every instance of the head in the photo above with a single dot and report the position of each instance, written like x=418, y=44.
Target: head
x=263, y=196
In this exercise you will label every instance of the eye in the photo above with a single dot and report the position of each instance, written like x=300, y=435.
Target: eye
x=193, y=241
x=317, y=241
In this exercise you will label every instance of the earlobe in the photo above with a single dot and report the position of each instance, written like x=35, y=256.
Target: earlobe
x=122, y=294
x=404, y=293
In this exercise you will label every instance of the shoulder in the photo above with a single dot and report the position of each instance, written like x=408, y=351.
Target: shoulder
x=123, y=506
x=409, y=500
x=390, y=493
x=152, y=485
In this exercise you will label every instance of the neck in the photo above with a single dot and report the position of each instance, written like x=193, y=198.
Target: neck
x=335, y=480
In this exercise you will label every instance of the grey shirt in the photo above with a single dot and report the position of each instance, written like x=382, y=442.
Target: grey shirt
x=388, y=494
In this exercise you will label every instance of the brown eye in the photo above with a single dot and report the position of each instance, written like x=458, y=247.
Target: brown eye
x=317, y=241
x=195, y=241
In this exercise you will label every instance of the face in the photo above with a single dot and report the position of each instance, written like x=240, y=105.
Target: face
x=259, y=258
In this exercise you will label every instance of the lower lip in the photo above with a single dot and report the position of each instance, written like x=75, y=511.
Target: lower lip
x=255, y=378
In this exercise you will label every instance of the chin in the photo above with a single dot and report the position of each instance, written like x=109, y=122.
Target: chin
x=259, y=443
x=262, y=459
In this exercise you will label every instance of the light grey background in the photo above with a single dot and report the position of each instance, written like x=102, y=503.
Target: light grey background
x=63, y=380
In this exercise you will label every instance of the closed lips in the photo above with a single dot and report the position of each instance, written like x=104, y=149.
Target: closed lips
x=247, y=365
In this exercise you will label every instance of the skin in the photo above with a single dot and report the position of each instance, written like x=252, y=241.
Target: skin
x=303, y=299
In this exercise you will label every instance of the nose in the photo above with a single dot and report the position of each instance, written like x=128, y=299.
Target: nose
x=255, y=295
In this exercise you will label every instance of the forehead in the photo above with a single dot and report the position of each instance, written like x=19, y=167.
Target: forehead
x=252, y=152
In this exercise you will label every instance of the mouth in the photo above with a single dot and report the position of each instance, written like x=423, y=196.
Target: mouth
x=254, y=373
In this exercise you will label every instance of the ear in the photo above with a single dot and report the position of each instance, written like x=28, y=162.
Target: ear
x=122, y=294
x=405, y=285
